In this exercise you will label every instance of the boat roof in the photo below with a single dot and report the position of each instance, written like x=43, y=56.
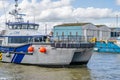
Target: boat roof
x=21, y=23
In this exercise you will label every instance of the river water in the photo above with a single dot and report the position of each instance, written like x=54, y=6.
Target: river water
x=102, y=66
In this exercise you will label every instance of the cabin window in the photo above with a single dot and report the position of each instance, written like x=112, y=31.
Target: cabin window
x=19, y=27
x=40, y=39
x=23, y=26
x=36, y=27
x=26, y=39
x=15, y=27
x=19, y=39
x=31, y=27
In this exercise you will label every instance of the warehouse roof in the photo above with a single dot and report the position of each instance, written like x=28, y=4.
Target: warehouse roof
x=73, y=24
x=99, y=25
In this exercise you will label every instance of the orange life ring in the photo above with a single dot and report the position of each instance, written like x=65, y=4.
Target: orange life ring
x=42, y=50
x=30, y=49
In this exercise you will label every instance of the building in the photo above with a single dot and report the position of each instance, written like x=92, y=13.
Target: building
x=104, y=32
x=86, y=30
x=115, y=32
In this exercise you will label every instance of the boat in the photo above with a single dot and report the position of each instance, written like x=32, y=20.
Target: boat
x=22, y=44
x=112, y=45
x=108, y=46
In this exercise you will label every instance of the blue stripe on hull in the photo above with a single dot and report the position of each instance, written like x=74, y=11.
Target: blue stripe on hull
x=18, y=58
x=13, y=58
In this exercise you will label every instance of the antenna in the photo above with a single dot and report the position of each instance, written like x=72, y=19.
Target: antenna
x=15, y=13
x=16, y=10
x=16, y=5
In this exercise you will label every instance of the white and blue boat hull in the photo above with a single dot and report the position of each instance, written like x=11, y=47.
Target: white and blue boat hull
x=53, y=56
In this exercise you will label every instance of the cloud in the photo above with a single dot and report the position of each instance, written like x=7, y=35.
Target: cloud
x=44, y=10
x=58, y=11
x=62, y=10
x=92, y=12
x=118, y=2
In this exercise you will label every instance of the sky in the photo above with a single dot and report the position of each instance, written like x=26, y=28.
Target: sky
x=59, y=11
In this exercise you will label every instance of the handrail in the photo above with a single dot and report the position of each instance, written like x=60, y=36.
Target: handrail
x=72, y=38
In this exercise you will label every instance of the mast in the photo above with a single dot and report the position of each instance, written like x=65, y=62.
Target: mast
x=15, y=13
x=16, y=10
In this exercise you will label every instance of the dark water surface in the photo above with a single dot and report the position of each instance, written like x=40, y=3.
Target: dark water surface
x=102, y=66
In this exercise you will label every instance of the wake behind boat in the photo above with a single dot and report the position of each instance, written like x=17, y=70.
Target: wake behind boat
x=22, y=44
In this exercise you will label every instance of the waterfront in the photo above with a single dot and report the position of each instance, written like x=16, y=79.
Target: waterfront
x=102, y=66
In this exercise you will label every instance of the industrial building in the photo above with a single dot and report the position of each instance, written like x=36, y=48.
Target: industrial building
x=115, y=32
x=87, y=30
x=104, y=32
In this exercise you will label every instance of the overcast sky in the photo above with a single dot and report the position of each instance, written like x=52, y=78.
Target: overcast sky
x=42, y=11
